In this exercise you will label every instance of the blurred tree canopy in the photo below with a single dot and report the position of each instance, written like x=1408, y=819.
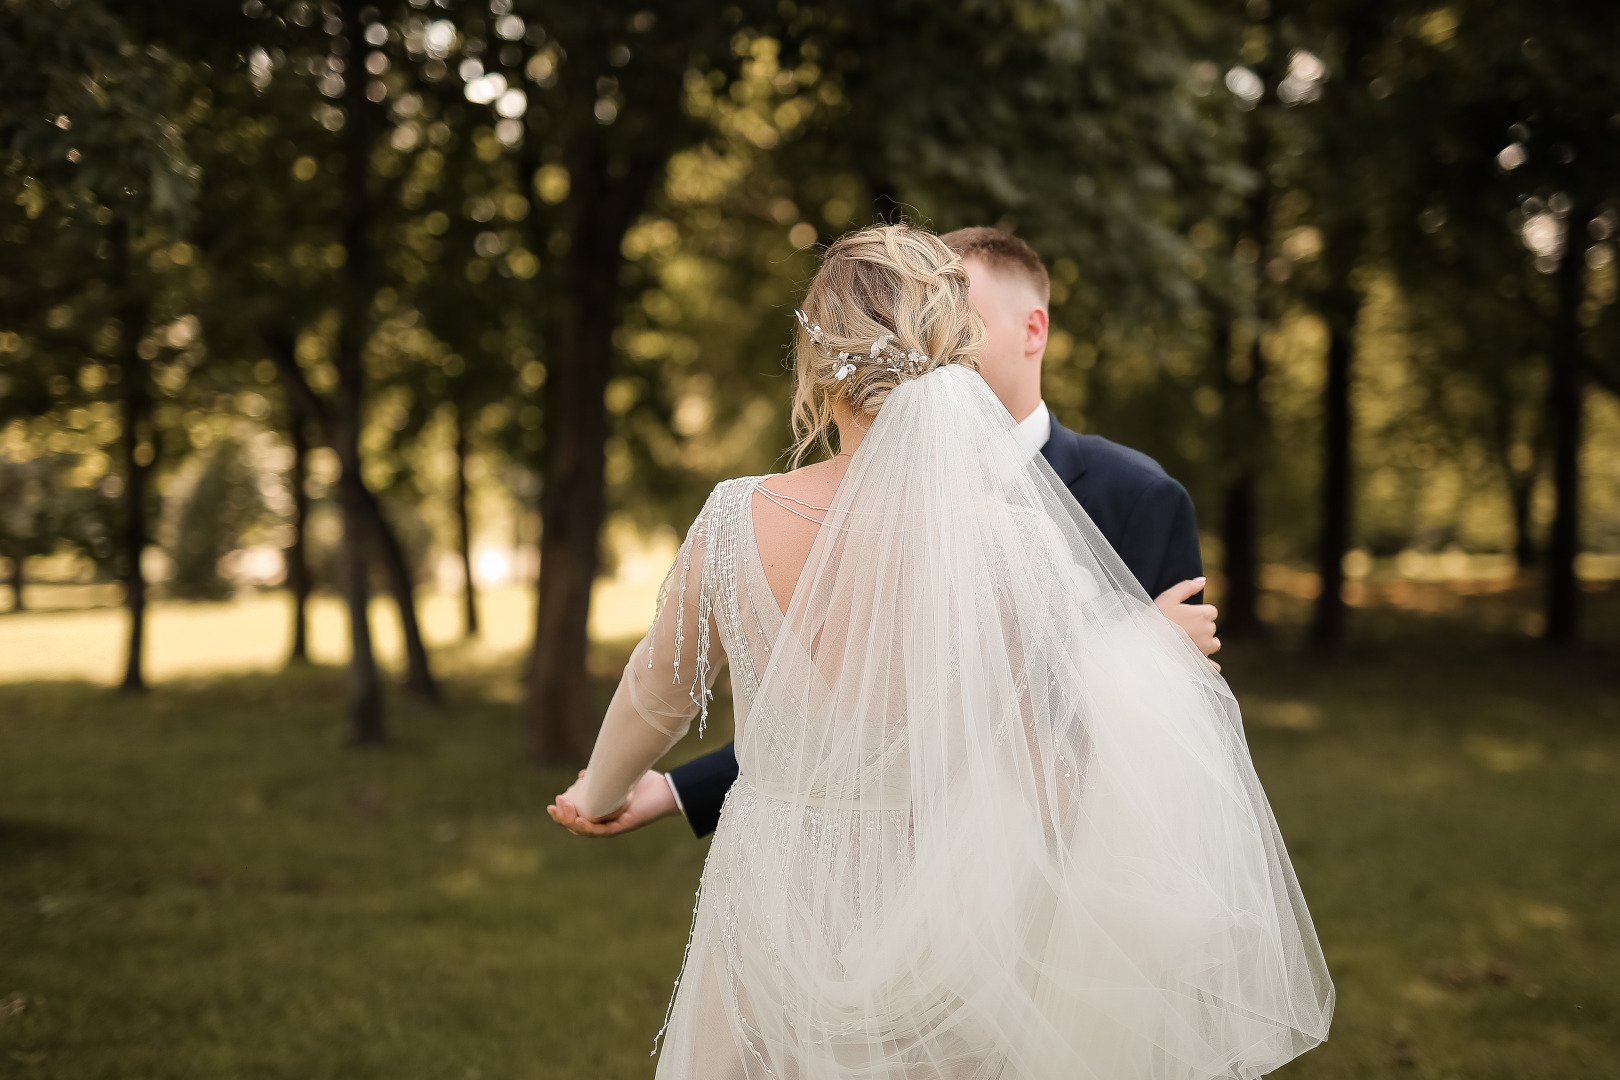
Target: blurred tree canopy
x=309, y=280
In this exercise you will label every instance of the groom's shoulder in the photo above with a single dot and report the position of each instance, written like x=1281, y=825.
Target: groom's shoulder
x=1118, y=485
x=1104, y=461
x=1130, y=466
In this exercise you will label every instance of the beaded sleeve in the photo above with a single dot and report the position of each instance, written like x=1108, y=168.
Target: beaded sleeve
x=671, y=674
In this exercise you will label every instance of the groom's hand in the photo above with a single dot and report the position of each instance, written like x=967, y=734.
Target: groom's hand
x=650, y=800
x=1197, y=620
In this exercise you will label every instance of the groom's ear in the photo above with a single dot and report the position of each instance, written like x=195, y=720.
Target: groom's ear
x=1036, y=326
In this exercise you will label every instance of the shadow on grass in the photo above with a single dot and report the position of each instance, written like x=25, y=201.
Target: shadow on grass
x=22, y=840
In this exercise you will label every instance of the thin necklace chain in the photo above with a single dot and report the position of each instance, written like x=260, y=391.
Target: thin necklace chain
x=779, y=501
x=769, y=494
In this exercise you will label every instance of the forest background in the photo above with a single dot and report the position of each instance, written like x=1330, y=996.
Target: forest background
x=465, y=306
x=310, y=295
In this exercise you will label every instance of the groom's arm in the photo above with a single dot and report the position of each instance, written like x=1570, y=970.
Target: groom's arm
x=1160, y=540
x=702, y=783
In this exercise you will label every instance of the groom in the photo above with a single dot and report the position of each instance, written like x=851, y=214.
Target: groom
x=1144, y=514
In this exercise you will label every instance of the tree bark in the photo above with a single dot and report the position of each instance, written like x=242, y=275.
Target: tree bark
x=139, y=451
x=1243, y=410
x=297, y=553
x=365, y=716
x=364, y=691
x=1524, y=548
x=1520, y=482
x=1243, y=414
x=1564, y=415
x=571, y=502
x=419, y=680
x=469, y=592
x=610, y=176
x=1327, y=627
x=1237, y=484
x=1240, y=612
x=1239, y=565
x=605, y=201
x=329, y=416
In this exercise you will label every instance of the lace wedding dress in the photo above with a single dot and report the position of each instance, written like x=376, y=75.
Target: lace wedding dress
x=995, y=815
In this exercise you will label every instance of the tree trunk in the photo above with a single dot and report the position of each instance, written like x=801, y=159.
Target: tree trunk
x=1520, y=482
x=606, y=200
x=1238, y=528
x=1363, y=30
x=1564, y=415
x=365, y=717
x=18, y=577
x=469, y=592
x=571, y=502
x=1327, y=628
x=1244, y=423
x=364, y=692
x=334, y=415
x=297, y=555
x=340, y=426
x=140, y=451
x=607, y=192
x=1524, y=549
x=1243, y=410
x=1240, y=610
x=419, y=680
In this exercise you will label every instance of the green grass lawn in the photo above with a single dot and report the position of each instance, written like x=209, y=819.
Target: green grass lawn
x=203, y=883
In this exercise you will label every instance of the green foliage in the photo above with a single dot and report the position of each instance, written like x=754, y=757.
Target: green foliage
x=1507, y=161
x=43, y=508
x=1105, y=132
x=26, y=508
x=89, y=111
x=211, y=520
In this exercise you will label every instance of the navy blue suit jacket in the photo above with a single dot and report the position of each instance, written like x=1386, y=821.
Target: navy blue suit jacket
x=1138, y=507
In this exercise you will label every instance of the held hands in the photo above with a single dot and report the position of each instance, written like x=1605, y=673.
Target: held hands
x=1196, y=620
x=650, y=800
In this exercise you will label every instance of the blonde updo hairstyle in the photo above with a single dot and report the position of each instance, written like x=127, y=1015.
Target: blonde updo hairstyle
x=887, y=279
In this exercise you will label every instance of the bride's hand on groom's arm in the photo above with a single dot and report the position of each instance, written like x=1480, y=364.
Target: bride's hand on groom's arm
x=649, y=800
x=1197, y=620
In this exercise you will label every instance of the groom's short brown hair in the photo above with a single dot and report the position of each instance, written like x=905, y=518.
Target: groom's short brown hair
x=1003, y=251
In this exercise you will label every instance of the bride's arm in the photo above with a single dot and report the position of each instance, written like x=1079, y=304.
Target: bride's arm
x=668, y=677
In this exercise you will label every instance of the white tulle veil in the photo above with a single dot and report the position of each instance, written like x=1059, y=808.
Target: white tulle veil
x=1017, y=829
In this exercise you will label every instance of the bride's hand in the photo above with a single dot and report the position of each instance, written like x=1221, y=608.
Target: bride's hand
x=1196, y=620
x=649, y=800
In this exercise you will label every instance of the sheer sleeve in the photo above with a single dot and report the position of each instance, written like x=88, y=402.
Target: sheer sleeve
x=668, y=680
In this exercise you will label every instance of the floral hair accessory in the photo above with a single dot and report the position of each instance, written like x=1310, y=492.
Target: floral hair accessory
x=905, y=363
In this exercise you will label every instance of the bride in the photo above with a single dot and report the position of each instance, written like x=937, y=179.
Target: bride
x=995, y=816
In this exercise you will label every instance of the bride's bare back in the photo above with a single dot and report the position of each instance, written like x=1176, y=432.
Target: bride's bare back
x=785, y=527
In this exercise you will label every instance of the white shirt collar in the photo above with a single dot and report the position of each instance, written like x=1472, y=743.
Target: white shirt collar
x=1034, y=430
